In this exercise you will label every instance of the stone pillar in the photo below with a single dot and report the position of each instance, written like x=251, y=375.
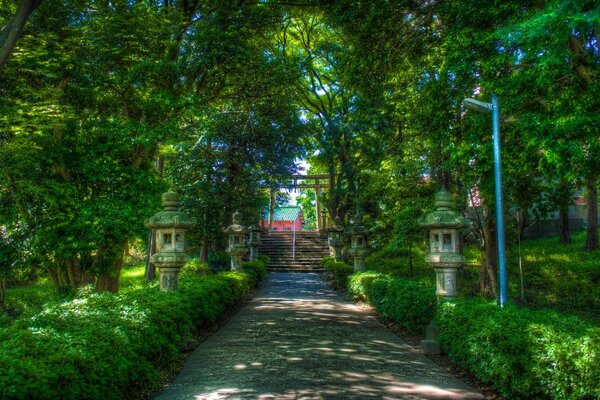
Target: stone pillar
x=358, y=249
x=237, y=241
x=254, y=233
x=335, y=240
x=444, y=256
x=318, y=206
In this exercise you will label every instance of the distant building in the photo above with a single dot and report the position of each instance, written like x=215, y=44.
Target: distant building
x=287, y=218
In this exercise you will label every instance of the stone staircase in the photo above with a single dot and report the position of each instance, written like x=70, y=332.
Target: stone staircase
x=311, y=247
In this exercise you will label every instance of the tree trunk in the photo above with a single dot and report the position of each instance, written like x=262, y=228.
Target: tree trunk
x=564, y=199
x=591, y=242
x=150, y=267
x=110, y=261
x=12, y=30
x=563, y=224
x=489, y=267
x=2, y=292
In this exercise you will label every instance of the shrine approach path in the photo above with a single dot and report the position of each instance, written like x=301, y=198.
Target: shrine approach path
x=297, y=339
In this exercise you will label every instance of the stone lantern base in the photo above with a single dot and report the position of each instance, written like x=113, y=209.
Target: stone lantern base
x=336, y=252
x=169, y=264
x=236, y=255
x=169, y=278
x=253, y=252
x=359, y=263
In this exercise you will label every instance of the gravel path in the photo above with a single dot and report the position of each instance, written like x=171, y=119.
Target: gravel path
x=298, y=340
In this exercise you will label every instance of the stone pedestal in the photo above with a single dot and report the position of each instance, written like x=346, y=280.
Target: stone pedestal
x=237, y=241
x=169, y=278
x=237, y=256
x=359, y=263
x=253, y=251
x=429, y=345
x=446, y=282
x=335, y=240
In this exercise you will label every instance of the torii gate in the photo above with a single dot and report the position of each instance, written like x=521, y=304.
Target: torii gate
x=316, y=182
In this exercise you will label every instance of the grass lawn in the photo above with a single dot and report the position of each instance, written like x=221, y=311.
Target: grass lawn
x=31, y=297
x=563, y=277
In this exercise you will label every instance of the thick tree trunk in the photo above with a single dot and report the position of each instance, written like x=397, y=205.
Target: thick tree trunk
x=110, y=261
x=489, y=267
x=12, y=31
x=591, y=242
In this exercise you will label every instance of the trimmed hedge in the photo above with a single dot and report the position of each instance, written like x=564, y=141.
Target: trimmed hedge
x=523, y=353
x=336, y=273
x=256, y=268
x=409, y=303
x=104, y=345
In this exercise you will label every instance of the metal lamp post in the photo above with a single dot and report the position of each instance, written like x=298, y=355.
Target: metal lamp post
x=495, y=109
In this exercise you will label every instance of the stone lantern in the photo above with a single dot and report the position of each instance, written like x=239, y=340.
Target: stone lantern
x=254, y=233
x=358, y=241
x=335, y=239
x=237, y=241
x=170, y=226
x=444, y=256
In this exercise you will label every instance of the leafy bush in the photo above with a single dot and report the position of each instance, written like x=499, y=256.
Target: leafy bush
x=523, y=353
x=256, y=268
x=409, y=303
x=218, y=261
x=264, y=258
x=336, y=273
x=102, y=345
x=197, y=267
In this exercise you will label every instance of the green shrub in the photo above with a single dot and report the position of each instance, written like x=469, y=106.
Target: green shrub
x=264, y=258
x=409, y=303
x=523, y=353
x=336, y=273
x=195, y=266
x=104, y=345
x=258, y=270
x=218, y=261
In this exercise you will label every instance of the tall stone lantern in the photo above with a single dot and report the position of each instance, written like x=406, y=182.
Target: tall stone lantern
x=170, y=226
x=237, y=241
x=358, y=249
x=444, y=256
x=254, y=233
x=335, y=239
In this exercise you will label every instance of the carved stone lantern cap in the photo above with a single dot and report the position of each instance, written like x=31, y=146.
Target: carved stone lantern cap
x=337, y=225
x=170, y=217
x=443, y=216
x=356, y=224
x=236, y=226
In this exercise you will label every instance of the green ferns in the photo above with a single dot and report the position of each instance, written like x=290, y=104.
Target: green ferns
x=103, y=346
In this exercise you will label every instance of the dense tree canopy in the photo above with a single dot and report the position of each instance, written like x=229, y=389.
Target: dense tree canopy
x=103, y=105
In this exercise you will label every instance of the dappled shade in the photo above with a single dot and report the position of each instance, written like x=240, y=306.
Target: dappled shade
x=298, y=339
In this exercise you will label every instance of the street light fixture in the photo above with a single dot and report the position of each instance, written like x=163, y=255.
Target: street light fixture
x=495, y=109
